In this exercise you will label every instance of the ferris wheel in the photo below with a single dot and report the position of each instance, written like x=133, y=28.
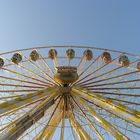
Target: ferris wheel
x=69, y=93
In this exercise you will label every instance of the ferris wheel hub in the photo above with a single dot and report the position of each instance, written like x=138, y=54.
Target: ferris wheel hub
x=66, y=75
x=65, y=90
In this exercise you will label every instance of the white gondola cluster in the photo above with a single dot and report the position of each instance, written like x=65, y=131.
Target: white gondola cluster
x=34, y=55
x=70, y=53
x=106, y=57
x=1, y=62
x=87, y=54
x=138, y=65
x=16, y=58
x=124, y=61
x=52, y=54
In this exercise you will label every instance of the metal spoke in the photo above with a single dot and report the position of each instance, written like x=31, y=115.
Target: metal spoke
x=27, y=120
x=23, y=75
x=79, y=82
x=108, y=72
x=41, y=71
x=24, y=100
x=78, y=129
x=34, y=73
x=91, y=124
x=63, y=124
x=113, y=83
x=86, y=70
x=106, y=125
x=22, y=81
x=118, y=108
x=110, y=78
x=116, y=94
x=42, y=58
x=25, y=86
x=114, y=115
x=44, y=134
x=114, y=88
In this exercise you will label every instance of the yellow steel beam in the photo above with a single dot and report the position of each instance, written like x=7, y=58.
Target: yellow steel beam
x=49, y=130
x=24, y=99
x=120, y=109
x=88, y=120
x=53, y=119
x=62, y=129
x=81, y=133
x=63, y=121
x=19, y=126
x=108, y=127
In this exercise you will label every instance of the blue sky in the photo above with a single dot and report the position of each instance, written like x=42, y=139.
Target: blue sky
x=113, y=24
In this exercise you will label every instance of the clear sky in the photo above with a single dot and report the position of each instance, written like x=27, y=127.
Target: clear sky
x=111, y=24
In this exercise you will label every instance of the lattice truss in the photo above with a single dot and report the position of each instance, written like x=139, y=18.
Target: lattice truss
x=69, y=93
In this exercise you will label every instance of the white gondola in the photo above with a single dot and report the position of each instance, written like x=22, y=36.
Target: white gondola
x=124, y=61
x=17, y=58
x=34, y=55
x=52, y=54
x=88, y=54
x=106, y=57
x=138, y=65
x=1, y=62
x=70, y=53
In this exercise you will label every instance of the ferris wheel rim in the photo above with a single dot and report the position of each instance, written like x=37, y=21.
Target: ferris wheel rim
x=70, y=46
x=85, y=84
